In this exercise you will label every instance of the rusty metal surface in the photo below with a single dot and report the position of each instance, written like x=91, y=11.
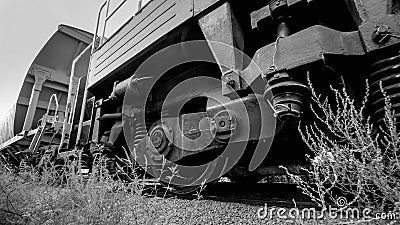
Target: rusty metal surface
x=201, y=5
x=221, y=26
x=198, y=132
x=368, y=28
x=369, y=9
x=302, y=48
x=265, y=13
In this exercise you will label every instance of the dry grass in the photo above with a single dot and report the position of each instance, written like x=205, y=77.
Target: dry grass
x=59, y=195
x=352, y=157
x=28, y=198
x=65, y=197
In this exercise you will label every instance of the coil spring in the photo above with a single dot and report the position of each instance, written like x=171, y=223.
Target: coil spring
x=288, y=97
x=387, y=73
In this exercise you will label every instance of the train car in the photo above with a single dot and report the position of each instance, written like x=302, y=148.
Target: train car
x=45, y=89
x=194, y=90
x=148, y=100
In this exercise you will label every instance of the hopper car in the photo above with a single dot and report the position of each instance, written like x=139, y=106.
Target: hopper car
x=224, y=83
x=39, y=111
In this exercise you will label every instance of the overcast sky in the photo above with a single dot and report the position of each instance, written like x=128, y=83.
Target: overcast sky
x=26, y=25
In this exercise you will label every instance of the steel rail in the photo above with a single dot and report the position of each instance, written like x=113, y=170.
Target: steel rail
x=279, y=195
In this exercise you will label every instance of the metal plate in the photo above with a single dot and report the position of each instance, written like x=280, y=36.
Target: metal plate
x=157, y=19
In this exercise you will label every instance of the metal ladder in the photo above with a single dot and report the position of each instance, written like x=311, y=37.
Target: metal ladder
x=37, y=139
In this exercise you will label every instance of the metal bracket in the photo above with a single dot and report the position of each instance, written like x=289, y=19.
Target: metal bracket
x=231, y=80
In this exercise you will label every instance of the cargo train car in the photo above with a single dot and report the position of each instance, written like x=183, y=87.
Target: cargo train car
x=48, y=75
x=218, y=87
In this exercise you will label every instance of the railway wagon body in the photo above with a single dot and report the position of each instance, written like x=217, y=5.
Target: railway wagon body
x=140, y=102
x=49, y=74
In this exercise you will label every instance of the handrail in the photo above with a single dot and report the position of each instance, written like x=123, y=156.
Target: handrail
x=82, y=114
x=108, y=16
x=72, y=115
x=71, y=95
x=116, y=9
x=97, y=26
x=53, y=96
x=105, y=22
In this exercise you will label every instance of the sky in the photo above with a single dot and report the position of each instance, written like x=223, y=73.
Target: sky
x=26, y=25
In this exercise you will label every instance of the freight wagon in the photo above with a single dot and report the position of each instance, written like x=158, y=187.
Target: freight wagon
x=45, y=89
x=215, y=88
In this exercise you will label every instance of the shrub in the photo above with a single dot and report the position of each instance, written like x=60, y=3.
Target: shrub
x=351, y=157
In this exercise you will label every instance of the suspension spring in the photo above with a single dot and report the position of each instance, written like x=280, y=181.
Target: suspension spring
x=288, y=97
x=385, y=74
x=287, y=93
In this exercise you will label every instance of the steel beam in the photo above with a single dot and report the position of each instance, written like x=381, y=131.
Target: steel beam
x=40, y=77
x=221, y=26
x=302, y=48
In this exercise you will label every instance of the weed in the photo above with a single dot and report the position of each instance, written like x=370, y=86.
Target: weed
x=60, y=194
x=351, y=157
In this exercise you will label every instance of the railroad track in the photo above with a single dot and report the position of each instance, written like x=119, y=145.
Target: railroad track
x=273, y=194
x=259, y=194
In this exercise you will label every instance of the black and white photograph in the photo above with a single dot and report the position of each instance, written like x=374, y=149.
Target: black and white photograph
x=199, y=112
